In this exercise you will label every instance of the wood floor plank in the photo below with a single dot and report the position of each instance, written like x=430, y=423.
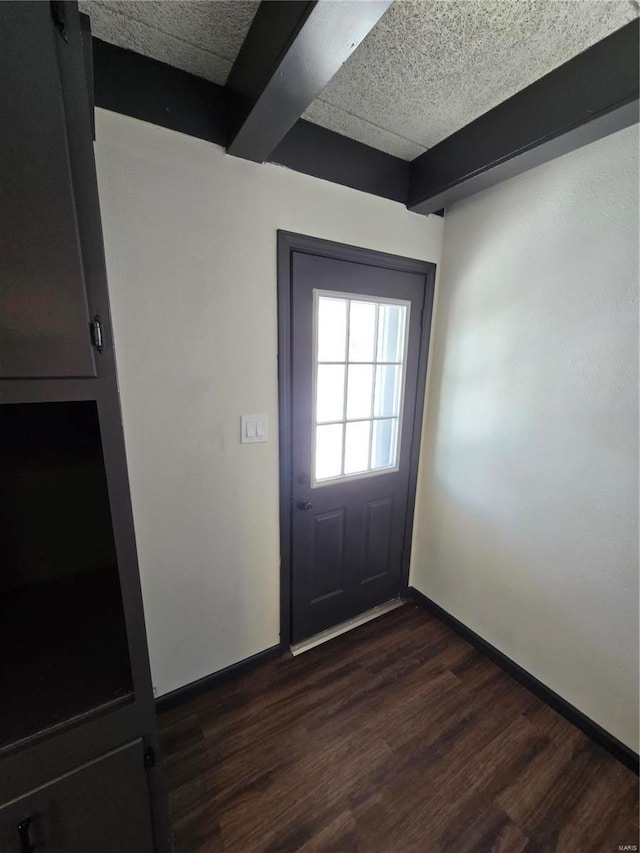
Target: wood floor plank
x=397, y=737
x=448, y=784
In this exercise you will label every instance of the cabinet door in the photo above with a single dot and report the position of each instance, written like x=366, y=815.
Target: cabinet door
x=102, y=807
x=44, y=318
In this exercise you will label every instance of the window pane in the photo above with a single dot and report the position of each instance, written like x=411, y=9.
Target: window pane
x=328, y=451
x=391, y=323
x=332, y=329
x=388, y=391
x=384, y=448
x=330, y=393
x=356, y=447
x=359, y=391
x=362, y=331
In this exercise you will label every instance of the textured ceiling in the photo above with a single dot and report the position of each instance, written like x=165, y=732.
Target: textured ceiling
x=200, y=37
x=429, y=67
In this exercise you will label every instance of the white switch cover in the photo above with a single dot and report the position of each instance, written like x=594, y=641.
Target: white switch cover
x=253, y=428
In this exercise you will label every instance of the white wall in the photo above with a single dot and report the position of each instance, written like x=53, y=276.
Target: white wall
x=190, y=238
x=527, y=517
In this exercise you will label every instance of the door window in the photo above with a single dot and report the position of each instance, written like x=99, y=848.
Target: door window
x=359, y=369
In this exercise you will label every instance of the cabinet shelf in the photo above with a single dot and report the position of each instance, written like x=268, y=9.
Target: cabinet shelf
x=66, y=654
x=62, y=627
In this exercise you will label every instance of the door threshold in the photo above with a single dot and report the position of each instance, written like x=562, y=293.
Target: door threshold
x=343, y=627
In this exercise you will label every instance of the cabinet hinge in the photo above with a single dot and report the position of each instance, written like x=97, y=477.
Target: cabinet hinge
x=97, y=337
x=59, y=16
x=149, y=758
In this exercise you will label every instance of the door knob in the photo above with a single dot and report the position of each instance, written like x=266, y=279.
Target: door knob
x=305, y=506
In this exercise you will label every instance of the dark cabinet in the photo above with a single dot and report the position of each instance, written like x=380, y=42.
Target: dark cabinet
x=75, y=683
x=44, y=312
x=59, y=581
x=101, y=807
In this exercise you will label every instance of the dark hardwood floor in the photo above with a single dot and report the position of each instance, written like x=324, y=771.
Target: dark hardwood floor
x=393, y=738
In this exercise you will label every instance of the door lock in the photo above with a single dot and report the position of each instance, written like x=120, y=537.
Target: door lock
x=305, y=506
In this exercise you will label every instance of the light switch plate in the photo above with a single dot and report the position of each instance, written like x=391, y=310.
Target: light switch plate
x=253, y=428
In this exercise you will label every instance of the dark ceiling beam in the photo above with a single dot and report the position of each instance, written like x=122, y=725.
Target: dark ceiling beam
x=590, y=96
x=134, y=85
x=291, y=52
x=128, y=83
x=322, y=153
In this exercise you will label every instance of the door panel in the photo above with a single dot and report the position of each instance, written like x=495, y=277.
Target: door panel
x=44, y=319
x=100, y=808
x=327, y=559
x=355, y=349
x=378, y=539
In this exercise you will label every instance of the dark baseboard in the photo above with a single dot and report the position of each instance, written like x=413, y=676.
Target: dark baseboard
x=195, y=688
x=612, y=745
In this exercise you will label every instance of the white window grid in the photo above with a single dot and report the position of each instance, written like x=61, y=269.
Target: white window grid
x=378, y=301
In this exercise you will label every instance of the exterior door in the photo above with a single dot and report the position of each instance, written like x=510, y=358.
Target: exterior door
x=356, y=347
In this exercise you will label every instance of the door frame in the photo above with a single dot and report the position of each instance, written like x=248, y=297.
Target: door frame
x=289, y=242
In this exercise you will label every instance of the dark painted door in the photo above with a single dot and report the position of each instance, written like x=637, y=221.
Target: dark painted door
x=44, y=319
x=355, y=364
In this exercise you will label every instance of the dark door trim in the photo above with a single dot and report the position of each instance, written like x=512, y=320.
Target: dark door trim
x=289, y=242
